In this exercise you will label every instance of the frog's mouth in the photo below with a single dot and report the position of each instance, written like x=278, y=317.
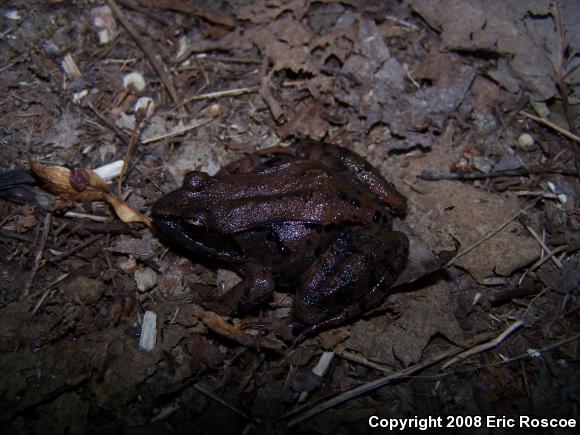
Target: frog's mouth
x=196, y=237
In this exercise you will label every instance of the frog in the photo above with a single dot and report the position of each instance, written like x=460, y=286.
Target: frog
x=311, y=218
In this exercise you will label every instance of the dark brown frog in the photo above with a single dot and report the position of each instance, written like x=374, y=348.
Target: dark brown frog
x=316, y=218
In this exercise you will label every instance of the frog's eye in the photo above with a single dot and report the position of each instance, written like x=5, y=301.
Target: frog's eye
x=194, y=181
x=196, y=228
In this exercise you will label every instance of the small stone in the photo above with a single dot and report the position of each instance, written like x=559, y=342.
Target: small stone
x=146, y=278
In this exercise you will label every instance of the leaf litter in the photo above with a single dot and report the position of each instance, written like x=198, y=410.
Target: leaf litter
x=423, y=90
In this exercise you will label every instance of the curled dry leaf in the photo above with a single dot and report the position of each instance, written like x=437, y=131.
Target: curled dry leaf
x=125, y=212
x=82, y=184
x=77, y=185
x=221, y=326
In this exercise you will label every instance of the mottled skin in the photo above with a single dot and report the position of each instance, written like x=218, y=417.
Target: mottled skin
x=317, y=219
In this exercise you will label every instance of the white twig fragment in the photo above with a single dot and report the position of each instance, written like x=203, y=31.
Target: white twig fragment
x=110, y=170
x=323, y=363
x=148, y=331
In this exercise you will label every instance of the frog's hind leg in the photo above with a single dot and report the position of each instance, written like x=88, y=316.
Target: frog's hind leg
x=347, y=282
x=256, y=288
x=353, y=165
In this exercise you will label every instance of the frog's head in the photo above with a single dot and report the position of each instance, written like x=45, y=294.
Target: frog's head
x=184, y=217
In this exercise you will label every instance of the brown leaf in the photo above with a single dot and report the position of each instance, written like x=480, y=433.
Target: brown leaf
x=426, y=312
x=523, y=33
x=221, y=326
x=125, y=212
x=58, y=180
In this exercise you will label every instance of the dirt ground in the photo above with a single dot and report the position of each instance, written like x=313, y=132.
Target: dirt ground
x=469, y=108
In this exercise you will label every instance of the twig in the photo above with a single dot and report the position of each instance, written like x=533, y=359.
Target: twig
x=47, y=292
x=491, y=234
x=221, y=401
x=541, y=261
x=38, y=256
x=560, y=73
x=178, y=132
x=544, y=247
x=485, y=346
x=109, y=124
x=148, y=51
x=540, y=193
x=93, y=217
x=11, y=64
x=220, y=94
x=359, y=359
x=533, y=301
x=429, y=175
x=139, y=118
x=233, y=59
x=402, y=23
x=378, y=383
x=78, y=248
x=553, y=126
x=539, y=351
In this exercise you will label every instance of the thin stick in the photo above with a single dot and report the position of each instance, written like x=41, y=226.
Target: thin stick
x=47, y=292
x=544, y=247
x=553, y=126
x=485, y=346
x=378, y=383
x=110, y=124
x=541, y=261
x=429, y=175
x=178, y=132
x=355, y=392
x=359, y=359
x=221, y=94
x=539, y=193
x=38, y=257
x=93, y=217
x=78, y=248
x=139, y=118
x=221, y=401
x=491, y=234
x=540, y=351
x=148, y=51
x=11, y=64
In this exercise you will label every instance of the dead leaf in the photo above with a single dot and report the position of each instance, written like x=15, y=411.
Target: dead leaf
x=221, y=326
x=467, y=214
x=562, y=280
x=125, y=212
x=421, y=261
x=522, y=32
x=305, y=121
x=65, y=133
x=427, y=312
x=61, y=181
x=204, y=351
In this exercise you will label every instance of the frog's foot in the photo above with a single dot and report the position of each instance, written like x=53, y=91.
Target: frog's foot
x=256, y=288
x=371, y=299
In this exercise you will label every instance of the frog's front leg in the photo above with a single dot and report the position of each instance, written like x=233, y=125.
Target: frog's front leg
x=256, y=287
x=349, y=279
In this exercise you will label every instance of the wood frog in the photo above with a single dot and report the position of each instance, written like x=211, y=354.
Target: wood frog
x=314, y=217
